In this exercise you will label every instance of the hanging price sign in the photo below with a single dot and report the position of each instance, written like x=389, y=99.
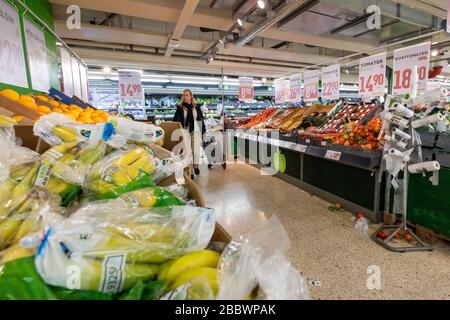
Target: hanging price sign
x=246, y=90
x=130, y=85
x=12, y=60
x=331, y=79
x=372, y=76
x=405, y=61
x=311, y=82
x=282, y=90
x=295, y=88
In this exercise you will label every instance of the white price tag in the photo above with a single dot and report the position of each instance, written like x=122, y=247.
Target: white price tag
x=333, y=155
x=323, y=143
x=404, y=61
x=246, y=89
x=130, y=85
x=301, y=148
x=308, y=141
x=372, y=76
x=295, y=88
x=282, y=90
x=311, y=80
x=331, y=80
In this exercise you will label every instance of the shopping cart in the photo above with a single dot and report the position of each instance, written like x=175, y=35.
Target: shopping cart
x=213, y=149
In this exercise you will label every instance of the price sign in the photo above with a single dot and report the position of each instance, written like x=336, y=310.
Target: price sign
x=246, y=90
x=12, y=60
x=333, y=155
x=130, y=85
x=311, y=80
x=282, y=90
x=295, y=88
x=37, y=56
x=372, y=76
x=405, y=61
x=301, y=148
x=331, y=79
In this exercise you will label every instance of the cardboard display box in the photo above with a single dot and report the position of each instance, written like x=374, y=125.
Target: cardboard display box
x=17, y=109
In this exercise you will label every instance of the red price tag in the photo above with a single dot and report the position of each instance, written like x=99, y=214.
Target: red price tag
x=245, y=93
x=372, y=79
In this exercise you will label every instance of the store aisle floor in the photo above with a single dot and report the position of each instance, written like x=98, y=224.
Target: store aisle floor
x=325, y=245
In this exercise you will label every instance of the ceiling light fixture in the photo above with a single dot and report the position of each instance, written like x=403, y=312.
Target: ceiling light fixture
x=347, y=71
x=107, y=69
x=261, y=4
x=435, y=52
x=264, y=79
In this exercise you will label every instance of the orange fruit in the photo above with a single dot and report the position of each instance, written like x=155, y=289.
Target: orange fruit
x=26, y=99
x=10, y=94
x=97, y=119
x=63, y=106
x=58, y=110
x=17, y=118
x=29, y=105
x=44, y=109
x=54, y=103
x=74, y=107
x=43, y=98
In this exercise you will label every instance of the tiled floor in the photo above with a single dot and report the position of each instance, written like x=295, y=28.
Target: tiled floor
x=325, y=245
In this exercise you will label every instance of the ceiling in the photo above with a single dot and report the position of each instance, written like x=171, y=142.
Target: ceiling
x=171, y=35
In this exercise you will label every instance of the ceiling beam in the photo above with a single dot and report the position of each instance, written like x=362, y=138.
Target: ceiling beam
x=183, y=20
x=128, y=37
x=211, y=19
x=433, y=7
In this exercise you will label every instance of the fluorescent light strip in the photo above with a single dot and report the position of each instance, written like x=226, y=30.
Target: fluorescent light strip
x=196, y=82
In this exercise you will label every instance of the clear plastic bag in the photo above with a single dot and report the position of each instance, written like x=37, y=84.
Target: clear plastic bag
x=21, y=217
x=129, y=131
x=105, y=248
x=56, y=129
x=197, y=289
x=120, y=172
x=171, y=166
x=362, y=227
x=178, y=190
x=244, y=262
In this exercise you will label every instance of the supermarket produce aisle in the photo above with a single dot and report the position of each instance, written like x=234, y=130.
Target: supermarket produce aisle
x=325, y=245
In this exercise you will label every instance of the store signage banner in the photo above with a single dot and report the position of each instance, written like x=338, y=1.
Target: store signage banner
x=76, y=77
x=448, y=16
x=405, y=60
x=12, y=60
x=295, y=88
x=311, y=83
x=372, y=76
x=66, y=65
x=130, y=86
x=37, y=57
x=246, y=89
x=331, y=80
x=282, y=90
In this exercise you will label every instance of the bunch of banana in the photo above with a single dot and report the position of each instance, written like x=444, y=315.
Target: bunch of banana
x=191, y=268
x=150, y=197
x=65, y=134
x=122, y=172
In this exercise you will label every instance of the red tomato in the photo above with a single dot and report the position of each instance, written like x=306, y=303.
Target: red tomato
x=382, y=235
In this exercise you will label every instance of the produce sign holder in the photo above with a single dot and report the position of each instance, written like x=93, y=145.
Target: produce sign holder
x=61, y=97
x=18, y=109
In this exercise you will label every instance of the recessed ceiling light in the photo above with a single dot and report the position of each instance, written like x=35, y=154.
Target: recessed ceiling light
x=264, y=79
x=261, y=4
x=435, y=52
x=107, y=69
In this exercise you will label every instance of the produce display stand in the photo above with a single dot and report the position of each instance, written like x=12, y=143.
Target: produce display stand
x=350, y=180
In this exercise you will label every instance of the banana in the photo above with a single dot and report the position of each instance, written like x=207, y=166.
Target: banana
x=124, y=175
x=19, y=172
x=149, y=167
x=93, y=154
x=92, y=274
x=14, y=253
x=56, y=185
x=204, y=258
x=210, y=274
x=143, y=198
x=6, y=121
x=100, y=186
x=8, y=230
x=27, y=182
x=6, y=190
x=144, y=232
x=28, y=226
x=138, y=164
x=63, y=148
x=130, y=157
x=65, y=134
x=164, y=268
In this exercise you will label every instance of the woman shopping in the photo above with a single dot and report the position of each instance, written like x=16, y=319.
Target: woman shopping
x=191, y=118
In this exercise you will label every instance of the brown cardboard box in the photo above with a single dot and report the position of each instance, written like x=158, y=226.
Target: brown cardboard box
x=169, y=127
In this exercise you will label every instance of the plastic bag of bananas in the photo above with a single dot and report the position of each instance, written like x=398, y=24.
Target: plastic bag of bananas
x=120, y=172
x=56, y=129
x=107, y=248
x=23, y=215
